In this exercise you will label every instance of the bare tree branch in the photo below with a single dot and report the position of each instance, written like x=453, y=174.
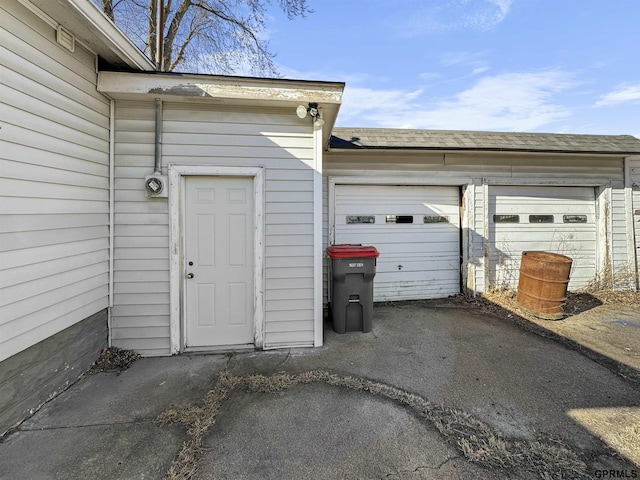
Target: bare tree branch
x=107, y=8
x=152, y=25
x=212, y=36
x=170, y=36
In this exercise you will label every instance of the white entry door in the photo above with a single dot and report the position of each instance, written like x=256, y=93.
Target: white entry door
x=218, y=262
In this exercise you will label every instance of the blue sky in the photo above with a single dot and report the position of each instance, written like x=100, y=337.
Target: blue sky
x=563, y=66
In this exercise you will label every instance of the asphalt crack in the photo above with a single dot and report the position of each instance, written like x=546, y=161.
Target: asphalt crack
x=478, y=442
x=421, y=467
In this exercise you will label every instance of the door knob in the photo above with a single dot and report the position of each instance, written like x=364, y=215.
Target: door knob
x=189, y=275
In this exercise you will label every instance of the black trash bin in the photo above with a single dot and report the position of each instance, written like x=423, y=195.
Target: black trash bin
x=352, y=270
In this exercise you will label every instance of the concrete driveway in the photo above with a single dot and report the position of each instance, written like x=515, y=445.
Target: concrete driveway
x=478, y=382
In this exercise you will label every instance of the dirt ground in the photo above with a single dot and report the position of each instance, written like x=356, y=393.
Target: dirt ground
x=503, y=302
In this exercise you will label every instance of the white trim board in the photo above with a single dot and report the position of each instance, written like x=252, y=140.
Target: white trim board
x=176, y=234
x=628, y=207
x=560, y=182
x=318, y=312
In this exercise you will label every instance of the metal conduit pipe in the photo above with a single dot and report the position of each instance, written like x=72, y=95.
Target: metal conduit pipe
x=157, y=166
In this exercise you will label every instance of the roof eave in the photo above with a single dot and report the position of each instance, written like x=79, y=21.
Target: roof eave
x=95, y=30
x=226, y=90
x=478, y=150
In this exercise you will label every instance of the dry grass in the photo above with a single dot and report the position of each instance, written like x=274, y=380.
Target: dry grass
x=617, y=296
x=476, y=440
x=503, y=302
x=113, y=359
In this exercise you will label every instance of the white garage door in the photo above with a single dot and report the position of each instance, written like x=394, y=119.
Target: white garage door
x=416, y=229
x=553, y=219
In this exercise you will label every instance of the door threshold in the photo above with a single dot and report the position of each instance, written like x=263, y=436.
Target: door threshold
x=220, y=349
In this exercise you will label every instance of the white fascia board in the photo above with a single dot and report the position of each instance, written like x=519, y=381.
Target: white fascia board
x=113, y=37
x=218, y=89
x=93, y=28
x=226, y=90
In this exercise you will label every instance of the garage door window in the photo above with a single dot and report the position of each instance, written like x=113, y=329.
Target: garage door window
x=574, y=219
x=359, y=219
x=540, y=218
x=506, y=219
x=435, y=219
x=399, y=218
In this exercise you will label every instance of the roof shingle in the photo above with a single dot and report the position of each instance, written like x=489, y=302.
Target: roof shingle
x=404, y=139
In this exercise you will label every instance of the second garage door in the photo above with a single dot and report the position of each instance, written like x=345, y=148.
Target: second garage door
x=416, y=229
x=554, y=219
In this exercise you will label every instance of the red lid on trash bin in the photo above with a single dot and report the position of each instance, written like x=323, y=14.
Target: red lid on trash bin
x=352, y=251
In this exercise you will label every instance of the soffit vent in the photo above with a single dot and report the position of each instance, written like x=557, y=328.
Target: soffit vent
x=65, y=38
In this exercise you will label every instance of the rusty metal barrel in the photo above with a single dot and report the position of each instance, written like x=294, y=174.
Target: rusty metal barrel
x=542, y=286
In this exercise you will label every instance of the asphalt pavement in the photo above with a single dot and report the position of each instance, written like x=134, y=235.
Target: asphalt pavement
x=399, y=402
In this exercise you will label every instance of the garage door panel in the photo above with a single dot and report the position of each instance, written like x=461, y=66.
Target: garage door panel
x=380, y=221
x=395, y=238
x=411, y=249
x=528, y=191
x=580, y=275
x=413, y=291
x=418, y=277
x=422, y=266
x=564, y=247
x=583, y=261
x=507, y=241
x=545, y=230
x=557, y=210
x=428, y=252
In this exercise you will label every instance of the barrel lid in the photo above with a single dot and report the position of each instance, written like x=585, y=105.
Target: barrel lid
x=352, y=251
x=546, y=257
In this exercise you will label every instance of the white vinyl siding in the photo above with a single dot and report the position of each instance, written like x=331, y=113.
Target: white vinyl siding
x=325, y=240
x=54, y=155
x=222, y=136
x=484, y=169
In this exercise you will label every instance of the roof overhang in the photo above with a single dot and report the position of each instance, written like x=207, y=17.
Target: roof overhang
x=467, y=142
x=226, y=90
x=94, y=30
x=479, y=155
x=488, y=152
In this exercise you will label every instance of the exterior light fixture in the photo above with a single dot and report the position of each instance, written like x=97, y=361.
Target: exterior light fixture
x=311, y=110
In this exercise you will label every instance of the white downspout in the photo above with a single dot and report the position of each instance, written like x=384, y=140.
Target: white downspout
x=112, y=145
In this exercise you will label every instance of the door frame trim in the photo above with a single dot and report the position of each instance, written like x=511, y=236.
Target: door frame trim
x=177, y=174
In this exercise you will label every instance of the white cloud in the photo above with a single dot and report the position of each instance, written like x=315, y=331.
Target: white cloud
x=363, y=101
x=454, y=15
x=429, y=76
x=488, y=14
x=623, y=94
x=329, y=76
x=511, y=102
x=479, y=70
x=473, y=60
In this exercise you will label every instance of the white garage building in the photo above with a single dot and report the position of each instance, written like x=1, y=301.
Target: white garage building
x=452, y=211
